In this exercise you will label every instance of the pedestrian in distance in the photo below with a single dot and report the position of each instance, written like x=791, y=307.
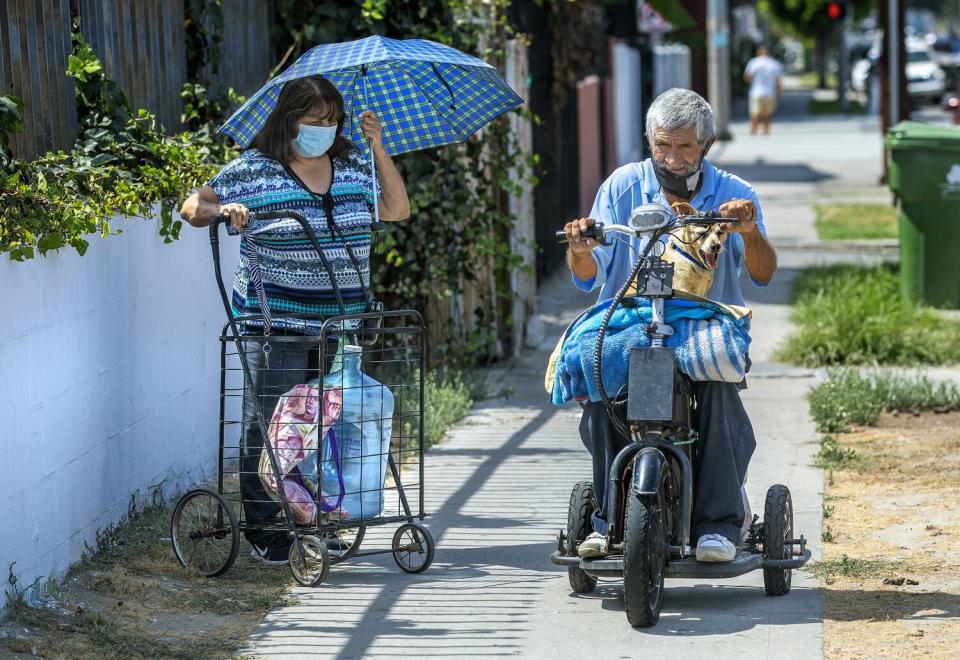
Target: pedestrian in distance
x=764, y=74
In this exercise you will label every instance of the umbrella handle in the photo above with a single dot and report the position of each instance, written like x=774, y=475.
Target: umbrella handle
x=377, y=225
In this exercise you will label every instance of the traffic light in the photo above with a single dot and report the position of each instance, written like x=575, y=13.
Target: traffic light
x=836, y=11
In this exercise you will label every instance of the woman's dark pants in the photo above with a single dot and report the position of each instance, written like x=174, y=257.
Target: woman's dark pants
x=291, y=363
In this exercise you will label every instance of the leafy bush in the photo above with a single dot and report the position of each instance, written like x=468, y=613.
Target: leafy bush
x=844, y=398
x=448, y=399
x=849, y=397
x=850, y=315
x=121, y=164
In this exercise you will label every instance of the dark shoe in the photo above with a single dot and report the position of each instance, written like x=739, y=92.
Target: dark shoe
x=271, y=555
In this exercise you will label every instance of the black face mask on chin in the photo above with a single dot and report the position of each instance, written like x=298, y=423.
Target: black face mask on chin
x=682, y=186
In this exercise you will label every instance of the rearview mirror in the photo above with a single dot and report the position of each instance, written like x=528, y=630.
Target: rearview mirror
x=650, y=217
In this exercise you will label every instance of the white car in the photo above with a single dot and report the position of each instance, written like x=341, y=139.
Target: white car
x=926, y=81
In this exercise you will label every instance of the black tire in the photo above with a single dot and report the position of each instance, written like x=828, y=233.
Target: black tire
x=583, y=502
x=413, y=548
x=316, y=562
x=644, y=558
x=204, y=533
x=777, y=529
x=352, y=543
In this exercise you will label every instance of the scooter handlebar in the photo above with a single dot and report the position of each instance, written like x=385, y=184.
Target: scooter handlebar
x=594, y=231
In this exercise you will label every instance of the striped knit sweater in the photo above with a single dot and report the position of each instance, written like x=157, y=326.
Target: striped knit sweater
x=294, y=278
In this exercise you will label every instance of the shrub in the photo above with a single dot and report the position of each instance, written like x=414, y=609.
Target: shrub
x=851, y=315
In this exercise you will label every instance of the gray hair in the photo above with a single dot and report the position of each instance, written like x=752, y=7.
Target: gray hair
x=681, y=108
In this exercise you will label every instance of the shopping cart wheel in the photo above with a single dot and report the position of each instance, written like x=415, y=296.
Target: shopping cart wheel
x=413, y=547
x=344, y=543
x=204, y=533
x=316, y=562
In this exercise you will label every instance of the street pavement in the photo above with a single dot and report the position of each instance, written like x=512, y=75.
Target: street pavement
x=497, y=488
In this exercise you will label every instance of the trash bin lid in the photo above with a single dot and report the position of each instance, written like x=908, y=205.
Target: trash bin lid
x=915, y=134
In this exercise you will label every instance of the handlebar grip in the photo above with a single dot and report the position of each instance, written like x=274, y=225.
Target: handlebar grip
x=708, y=218
x=594, y=231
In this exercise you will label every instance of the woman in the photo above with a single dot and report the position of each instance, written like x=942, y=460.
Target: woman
x=300, y=161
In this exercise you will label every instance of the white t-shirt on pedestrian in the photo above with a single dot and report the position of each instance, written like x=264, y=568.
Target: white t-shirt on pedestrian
x=765, y=71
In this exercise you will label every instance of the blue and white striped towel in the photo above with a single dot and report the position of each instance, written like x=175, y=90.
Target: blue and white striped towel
x=710, y=342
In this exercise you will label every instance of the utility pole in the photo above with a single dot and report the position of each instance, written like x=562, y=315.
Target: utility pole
x=893, y=47
x=718, y=64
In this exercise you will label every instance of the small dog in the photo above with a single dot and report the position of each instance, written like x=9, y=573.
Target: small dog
x=694, y=252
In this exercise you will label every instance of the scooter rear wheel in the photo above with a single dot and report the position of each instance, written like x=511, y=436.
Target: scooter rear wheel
x=777, y=529
x=583, y=502
x=644, y=558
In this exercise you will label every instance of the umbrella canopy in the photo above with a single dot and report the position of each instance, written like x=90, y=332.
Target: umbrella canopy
x=425, y=94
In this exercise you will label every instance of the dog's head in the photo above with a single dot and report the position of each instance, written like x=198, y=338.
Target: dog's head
x=710, y=245
x=700, y=245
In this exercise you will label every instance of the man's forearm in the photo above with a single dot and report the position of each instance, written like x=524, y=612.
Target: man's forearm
x=583, y=265
x=760, y=257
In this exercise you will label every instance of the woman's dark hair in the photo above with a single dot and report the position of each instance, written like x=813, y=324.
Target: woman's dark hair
x=299, y=98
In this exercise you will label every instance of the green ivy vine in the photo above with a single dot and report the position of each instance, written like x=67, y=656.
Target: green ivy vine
x=120, y=165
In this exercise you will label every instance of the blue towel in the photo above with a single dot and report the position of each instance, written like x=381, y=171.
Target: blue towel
x=710, y=342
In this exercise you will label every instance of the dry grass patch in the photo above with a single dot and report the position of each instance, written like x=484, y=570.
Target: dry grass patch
x=892, y=568
x=131, y=599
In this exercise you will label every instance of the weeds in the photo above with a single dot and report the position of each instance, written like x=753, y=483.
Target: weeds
x=848, y=397
x=852, y=315
x=851, y=567
x=827, y=535
x=834, y=457
x=147, y=604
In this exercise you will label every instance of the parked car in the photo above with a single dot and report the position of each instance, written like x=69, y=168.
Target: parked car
x=926, y=81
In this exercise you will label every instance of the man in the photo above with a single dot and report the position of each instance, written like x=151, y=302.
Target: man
x=763, y=73
x=680, y=128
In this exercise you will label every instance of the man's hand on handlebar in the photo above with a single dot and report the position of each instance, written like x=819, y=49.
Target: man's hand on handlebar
x=744, y=211
x=237, y=214
x=578, y=244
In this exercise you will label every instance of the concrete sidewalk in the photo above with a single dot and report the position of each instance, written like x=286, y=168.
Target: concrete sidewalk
x=498, y=489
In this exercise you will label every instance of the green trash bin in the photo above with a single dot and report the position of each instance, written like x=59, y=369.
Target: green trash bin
x=924, y=174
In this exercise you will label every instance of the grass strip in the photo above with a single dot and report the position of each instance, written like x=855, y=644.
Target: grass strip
x=848, y=221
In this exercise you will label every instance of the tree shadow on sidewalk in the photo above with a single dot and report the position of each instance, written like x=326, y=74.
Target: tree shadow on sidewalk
x=884, y=605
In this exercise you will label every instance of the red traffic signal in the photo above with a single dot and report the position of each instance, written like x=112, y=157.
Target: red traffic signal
x=836, y=11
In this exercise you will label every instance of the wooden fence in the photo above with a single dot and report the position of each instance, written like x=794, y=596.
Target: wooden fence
x=34, y=47
x=142, y=45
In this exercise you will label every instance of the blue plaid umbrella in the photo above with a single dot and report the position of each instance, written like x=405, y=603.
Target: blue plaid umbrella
x=425, y=94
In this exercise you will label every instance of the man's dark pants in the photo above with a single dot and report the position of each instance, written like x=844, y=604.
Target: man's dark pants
x=726, y=445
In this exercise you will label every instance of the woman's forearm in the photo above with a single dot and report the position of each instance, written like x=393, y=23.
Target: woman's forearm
x=394, y=204
x=197, y=211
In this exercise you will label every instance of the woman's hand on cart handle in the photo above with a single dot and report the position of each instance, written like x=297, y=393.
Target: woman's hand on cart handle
x=237, y=214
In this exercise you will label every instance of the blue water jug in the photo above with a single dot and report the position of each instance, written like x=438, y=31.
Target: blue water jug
x=354, y=453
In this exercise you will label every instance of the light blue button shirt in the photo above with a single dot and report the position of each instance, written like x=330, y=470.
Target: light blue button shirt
x=635, y=184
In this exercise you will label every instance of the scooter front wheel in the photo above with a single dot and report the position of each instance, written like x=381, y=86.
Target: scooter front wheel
x=644, y=558
x=777, y=530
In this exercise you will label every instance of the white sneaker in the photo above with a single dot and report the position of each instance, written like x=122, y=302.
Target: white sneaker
x=715, y=547
x=593, y=546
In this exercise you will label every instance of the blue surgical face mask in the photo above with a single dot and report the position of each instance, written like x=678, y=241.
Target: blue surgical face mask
x=314, y=141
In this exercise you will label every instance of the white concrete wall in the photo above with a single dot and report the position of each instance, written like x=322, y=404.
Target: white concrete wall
x=109, y=377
